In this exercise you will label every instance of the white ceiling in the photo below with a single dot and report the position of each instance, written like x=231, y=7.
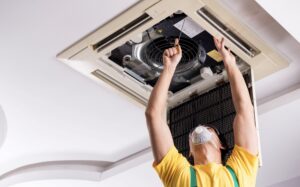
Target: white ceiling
x=54, y=113
x=270, y=31
x=279, y=133
x=285, y=13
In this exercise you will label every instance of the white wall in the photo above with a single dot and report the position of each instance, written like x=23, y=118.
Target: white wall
x=142, y=175
x=280, y=150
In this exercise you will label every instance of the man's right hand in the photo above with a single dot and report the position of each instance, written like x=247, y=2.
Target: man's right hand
x=160, y=134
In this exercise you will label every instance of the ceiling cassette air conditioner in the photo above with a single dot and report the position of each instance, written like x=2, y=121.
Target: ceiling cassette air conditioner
x=125, y=53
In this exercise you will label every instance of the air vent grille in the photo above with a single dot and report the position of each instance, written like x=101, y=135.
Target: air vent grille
x=248, y=48
x=116, y=84
x=141, y=20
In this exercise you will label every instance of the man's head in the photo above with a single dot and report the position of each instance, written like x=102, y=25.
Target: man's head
x=205, y=144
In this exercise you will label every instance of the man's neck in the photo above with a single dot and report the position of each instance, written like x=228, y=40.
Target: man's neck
x=204, y=157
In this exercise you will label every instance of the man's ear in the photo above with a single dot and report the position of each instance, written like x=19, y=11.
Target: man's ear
x=222, y=139
x=191, y=155
x=222, y=147
x=190, y=146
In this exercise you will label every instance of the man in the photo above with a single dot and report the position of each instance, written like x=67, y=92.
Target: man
x=205, y=146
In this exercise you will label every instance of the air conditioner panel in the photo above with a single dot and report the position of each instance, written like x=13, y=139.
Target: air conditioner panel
x=165, y=29
x=263, y=64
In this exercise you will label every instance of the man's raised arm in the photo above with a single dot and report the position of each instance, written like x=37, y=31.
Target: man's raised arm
x=245, y=134
x=160, y=135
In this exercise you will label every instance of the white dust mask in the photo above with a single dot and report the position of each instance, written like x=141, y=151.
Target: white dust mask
x=201, y=135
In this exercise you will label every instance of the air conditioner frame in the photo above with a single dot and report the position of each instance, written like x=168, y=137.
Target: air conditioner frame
x=84, y=57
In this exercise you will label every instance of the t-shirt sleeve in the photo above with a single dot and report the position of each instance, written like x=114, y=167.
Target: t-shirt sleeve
x=172, y=167
x=245, y=166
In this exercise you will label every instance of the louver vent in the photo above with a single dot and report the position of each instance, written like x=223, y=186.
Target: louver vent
x=248, y=48
x=121, y=32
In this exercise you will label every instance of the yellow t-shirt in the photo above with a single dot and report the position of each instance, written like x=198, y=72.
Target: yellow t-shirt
x=174, y=170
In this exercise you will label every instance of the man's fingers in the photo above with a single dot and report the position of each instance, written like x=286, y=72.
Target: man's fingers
x=166, y=53
x=178, y=49
x=177, y=46
x=175, y=51
x=176, y=42
x=230, y=53
x=170, y=51
x=216, y=42
x=222, y=43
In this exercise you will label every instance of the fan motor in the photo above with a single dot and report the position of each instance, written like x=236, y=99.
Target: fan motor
x=192, y=53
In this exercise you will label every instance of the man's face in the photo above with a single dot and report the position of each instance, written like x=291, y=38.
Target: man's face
x=213, y=144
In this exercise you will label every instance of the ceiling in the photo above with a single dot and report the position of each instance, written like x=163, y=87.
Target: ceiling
x=285, y=14
x=55, y=114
